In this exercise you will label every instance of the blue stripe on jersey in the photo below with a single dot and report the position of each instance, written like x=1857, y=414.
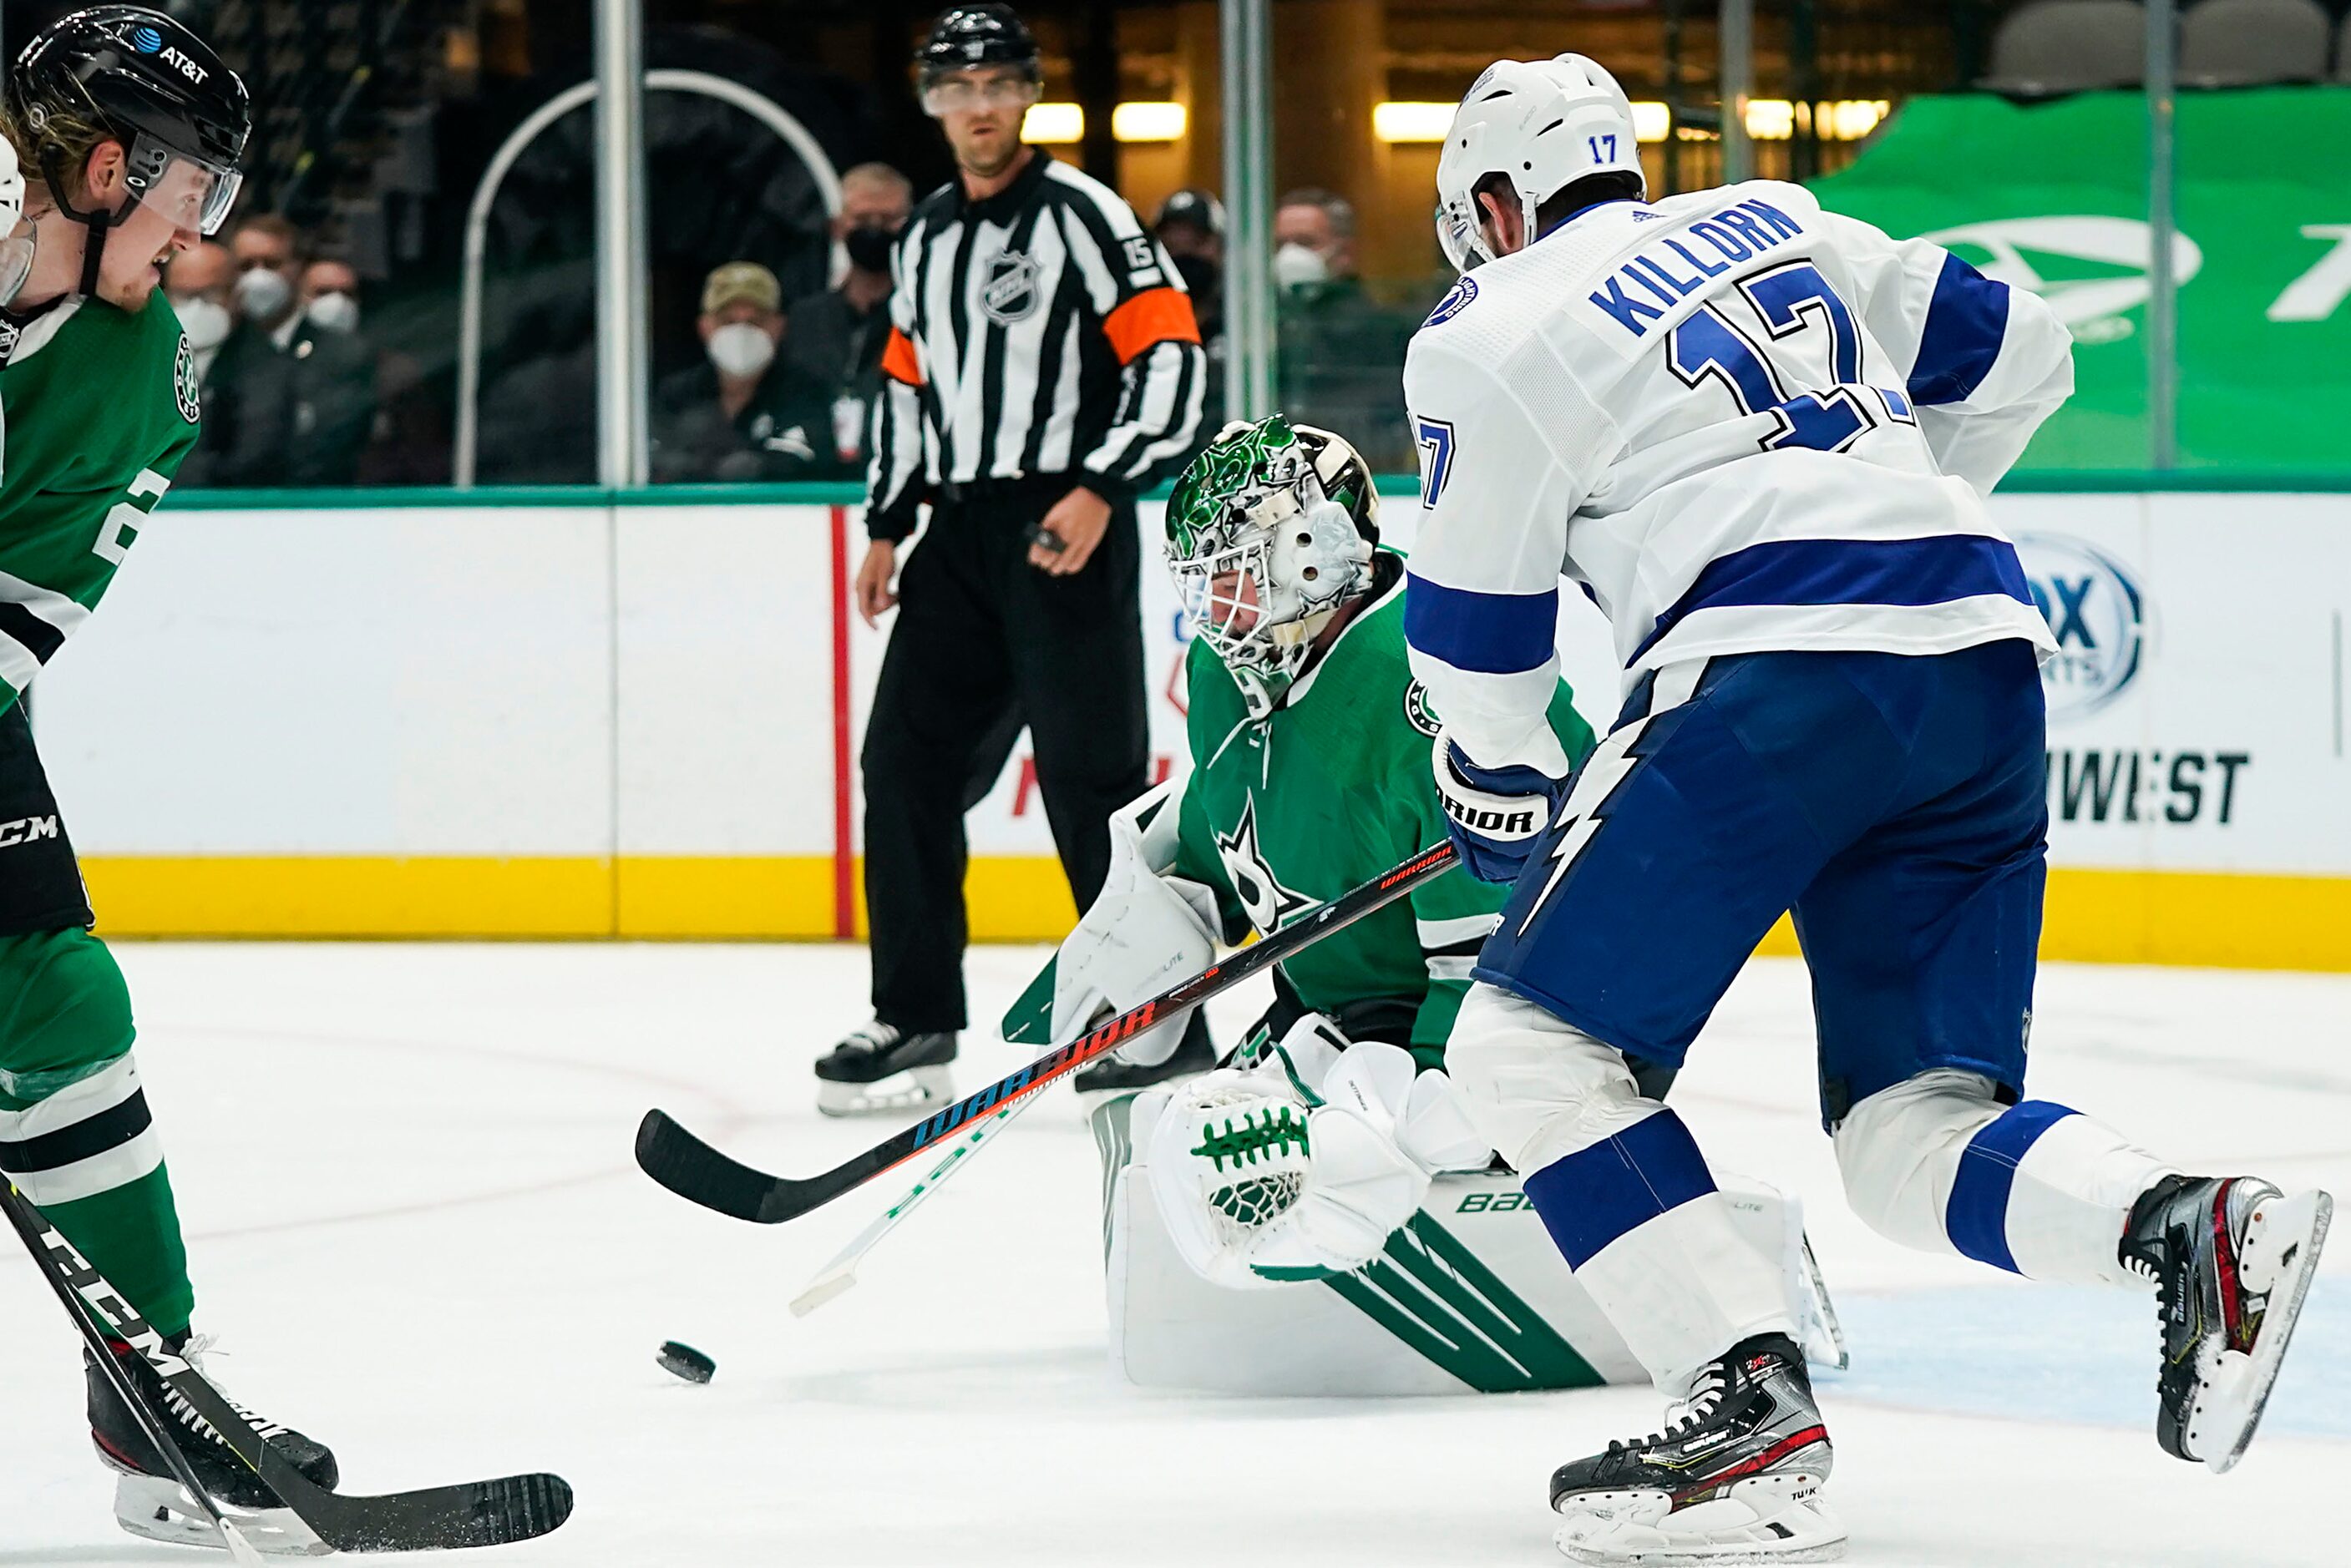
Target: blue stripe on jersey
x=1966, y=322
x=1976, y=1217
x=1493, y=634
x=1930, y=571
x=1619, y=1184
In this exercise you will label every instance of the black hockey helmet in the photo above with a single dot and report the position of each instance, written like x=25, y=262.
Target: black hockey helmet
x=984, y=34
x=140, y=78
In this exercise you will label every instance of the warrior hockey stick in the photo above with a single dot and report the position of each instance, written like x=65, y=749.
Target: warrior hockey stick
x=842, y=1272
x=475, y=1514
x=699, y=1173
x=239, y=1549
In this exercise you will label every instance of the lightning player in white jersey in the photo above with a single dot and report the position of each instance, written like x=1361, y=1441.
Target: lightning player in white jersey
x=1758, y=435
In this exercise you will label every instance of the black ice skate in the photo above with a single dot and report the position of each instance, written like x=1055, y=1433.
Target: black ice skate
x=881, y=1068
x=1736, y=1478
x=2231, y=1259
x=148, y=1502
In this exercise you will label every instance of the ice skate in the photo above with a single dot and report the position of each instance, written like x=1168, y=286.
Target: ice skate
x=1736, y=1478
x=150, y=1502
x=2231, y=1259
x=880, y=1069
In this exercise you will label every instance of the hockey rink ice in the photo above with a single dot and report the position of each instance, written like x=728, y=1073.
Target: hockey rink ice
x=416, y=1227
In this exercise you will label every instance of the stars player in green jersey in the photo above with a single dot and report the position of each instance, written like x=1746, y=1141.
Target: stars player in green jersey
x=127, y=130
x=1305, y=729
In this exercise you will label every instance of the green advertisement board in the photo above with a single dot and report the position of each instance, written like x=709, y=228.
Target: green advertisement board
x=2053, y=197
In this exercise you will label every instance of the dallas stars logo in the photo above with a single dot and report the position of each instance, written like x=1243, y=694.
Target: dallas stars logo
x=1268, y=903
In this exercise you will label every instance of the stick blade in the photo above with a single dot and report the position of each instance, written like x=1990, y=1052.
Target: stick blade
x=697, y=1172
x=820, y=1289
x=472, y=1513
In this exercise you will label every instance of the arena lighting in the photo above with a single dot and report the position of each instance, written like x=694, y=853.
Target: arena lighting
x=1776, y=118
x=1652, y=121
x=1145, y=121
x=1401, y=122
x=1054, y=124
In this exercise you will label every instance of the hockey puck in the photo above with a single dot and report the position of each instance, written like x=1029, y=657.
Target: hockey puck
x=686, y=1362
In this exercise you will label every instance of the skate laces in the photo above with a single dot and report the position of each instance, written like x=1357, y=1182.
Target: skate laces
x=1685, y=1415
x=875, y=1036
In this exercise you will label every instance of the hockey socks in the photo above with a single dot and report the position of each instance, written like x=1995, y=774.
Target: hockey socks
x=75, y=1131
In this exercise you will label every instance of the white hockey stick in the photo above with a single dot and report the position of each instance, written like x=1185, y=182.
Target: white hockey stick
x=838, y=1275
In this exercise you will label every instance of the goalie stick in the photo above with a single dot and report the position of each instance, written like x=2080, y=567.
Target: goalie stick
x=700, y=1174
x=473, y=1513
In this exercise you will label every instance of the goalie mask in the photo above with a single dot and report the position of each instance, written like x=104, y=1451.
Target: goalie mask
x=1270, y=532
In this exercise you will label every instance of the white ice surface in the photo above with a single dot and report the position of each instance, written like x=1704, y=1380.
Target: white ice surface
x=405, y=1177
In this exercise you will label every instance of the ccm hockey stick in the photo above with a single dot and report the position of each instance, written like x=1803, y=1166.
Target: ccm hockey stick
x=699, y=1173
x=240, y=1550
x=842, y=1272
x=475, y=1514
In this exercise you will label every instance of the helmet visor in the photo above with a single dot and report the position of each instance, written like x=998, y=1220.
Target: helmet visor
x=1457, y=235
x=189, y=190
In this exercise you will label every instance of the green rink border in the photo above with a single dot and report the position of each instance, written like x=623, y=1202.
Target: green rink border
x=2068, y=481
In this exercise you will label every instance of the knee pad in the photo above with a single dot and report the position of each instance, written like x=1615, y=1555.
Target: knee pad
x=65, y=1012
x=1899, y=1151
x=1537, y=1087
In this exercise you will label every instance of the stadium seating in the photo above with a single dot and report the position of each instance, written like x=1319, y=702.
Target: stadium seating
x=2068, y=46
x=2247, y=42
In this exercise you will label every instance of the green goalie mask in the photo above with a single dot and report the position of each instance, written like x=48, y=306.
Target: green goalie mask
x=1269, y=531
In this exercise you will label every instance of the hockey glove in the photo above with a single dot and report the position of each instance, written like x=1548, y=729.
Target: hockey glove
x=1301, y=1166
x=1495, y=817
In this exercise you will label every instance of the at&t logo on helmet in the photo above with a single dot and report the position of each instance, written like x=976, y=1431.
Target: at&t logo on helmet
x=2097, y=614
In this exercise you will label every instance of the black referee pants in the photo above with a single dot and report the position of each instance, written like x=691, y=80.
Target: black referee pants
x=983, y=640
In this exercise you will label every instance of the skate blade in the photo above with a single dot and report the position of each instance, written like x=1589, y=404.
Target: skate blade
x=913, y=1089
x=155, y=1508
x=1766, y=1520
x=2295, y=1229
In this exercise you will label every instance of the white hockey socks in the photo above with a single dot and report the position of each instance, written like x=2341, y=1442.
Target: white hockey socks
x=1938, y=1164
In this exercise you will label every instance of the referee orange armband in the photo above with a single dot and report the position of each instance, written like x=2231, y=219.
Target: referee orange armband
x=1153, y=317
x=898, y=361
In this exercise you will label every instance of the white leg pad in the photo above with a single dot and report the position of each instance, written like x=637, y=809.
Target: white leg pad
x=2069, y=1186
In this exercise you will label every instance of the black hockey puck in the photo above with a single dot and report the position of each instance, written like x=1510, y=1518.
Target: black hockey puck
x=686, y=1362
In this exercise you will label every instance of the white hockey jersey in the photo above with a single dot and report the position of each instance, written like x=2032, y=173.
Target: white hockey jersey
x=1740, y=423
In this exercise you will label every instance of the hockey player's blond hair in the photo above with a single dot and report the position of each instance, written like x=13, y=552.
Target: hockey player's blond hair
x=75, y=134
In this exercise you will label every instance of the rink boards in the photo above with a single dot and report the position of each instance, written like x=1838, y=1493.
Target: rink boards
x=575, y=714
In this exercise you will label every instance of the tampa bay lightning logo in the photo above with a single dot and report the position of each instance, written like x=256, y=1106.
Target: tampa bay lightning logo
x=1457, y=300
x=146, y=40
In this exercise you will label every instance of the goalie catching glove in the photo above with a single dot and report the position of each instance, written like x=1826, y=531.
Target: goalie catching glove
x=1302, y=1164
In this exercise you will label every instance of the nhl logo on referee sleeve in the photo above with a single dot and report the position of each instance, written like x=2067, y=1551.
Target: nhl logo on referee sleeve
x=184, y=381
x=1010, y=295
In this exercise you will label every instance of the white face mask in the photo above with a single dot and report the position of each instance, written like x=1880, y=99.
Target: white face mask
x=1299, y=266
x=205, y=321
x=334, y=312
x=739, y=348
x=262, y=293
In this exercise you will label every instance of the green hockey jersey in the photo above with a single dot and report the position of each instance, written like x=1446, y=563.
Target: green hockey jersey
x=1328, y=791
x=100, y=410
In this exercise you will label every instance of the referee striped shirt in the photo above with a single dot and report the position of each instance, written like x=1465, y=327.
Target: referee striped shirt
x=1038, y=332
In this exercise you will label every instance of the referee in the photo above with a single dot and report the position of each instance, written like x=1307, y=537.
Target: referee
x=1042, y=366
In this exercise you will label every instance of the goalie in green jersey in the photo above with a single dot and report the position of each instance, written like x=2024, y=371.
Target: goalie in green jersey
x=1332, y=1147
x=127, y=130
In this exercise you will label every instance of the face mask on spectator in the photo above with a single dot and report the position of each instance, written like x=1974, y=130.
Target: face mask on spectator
x=739, y=348
x=868, y=248
x=1300, y=266
x=205, y=321
x=335, y=312
x=263, y=292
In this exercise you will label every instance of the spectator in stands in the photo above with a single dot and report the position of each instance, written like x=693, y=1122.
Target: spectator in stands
x=264, y=247
x=198, y=284
x=1341, y=353
x=244, y=388
x=837, y=334
x=333, y=380
x=1191, y=228
x=748, y=413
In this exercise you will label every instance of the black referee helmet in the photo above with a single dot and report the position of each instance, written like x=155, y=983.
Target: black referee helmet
x=989, y=34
